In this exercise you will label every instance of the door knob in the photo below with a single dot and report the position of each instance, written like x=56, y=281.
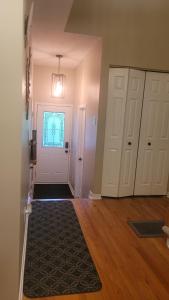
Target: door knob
x=129, y=143
x=80, y=158
x=149, y=144
x=66, y=145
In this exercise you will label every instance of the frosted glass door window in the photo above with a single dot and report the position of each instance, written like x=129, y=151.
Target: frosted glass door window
x=53, y=129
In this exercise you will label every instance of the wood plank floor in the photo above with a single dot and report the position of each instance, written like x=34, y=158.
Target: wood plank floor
x=130, y=268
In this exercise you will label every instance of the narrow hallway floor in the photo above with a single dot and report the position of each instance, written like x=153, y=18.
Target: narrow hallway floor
x=52, y=191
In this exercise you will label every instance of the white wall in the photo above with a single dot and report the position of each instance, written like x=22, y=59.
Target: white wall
x=87, y=93
x=14, y=147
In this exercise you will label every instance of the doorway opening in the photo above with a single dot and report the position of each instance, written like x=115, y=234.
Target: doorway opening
x=66, y=125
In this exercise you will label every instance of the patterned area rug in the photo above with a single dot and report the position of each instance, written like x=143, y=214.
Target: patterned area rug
x=57, y=259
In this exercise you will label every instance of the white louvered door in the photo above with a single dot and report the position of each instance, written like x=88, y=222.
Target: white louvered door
x=153, y=155
x=117, y=96
x=131, y=132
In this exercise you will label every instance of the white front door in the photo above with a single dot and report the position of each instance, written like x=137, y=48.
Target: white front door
x=153, y=155
x=54, y=124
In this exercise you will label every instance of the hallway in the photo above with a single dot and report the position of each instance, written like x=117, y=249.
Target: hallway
x=66, y=123
x=56, y=60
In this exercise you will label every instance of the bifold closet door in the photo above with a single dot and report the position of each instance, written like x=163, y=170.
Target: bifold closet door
x=132, y=122
x=125, y=95
x=153, y=154
x=116, y=104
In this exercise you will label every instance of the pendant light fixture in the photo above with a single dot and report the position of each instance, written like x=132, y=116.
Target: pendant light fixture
x=58, y=81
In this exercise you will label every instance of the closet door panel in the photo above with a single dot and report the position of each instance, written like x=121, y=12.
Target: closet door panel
x=131, y=131
x=117, y=94
x=161, y=167
x=152, y=165
x=146, y=154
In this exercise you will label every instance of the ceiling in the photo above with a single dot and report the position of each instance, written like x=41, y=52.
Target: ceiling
x=48, y=36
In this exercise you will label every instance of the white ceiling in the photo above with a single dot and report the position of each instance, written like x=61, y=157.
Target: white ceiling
x=48, y=36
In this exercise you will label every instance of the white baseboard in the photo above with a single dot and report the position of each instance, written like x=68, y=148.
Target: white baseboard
x=28, y=210
x=23, y=256
x=167, y=195
x=93, y=196
x=72, y=189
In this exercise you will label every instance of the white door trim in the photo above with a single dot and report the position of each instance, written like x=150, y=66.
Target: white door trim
x=71, y=189
x=93, y=196
x=80, y=141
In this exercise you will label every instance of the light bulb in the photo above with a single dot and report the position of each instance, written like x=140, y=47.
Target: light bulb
x=58, y=89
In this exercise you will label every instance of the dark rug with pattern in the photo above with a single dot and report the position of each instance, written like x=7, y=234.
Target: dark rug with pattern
x=57, y=258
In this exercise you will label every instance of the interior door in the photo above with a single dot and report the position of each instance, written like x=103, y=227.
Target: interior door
x=117, y=96
x=53, y=143
x=131, y=132
x=153, y=155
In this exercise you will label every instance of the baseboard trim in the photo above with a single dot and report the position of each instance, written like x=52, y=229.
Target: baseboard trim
x=23, y=256
x=71, y=189
x=93, y=196
x=28, y=210
x=167, y=195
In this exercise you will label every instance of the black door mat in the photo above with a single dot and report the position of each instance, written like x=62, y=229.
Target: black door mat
x=52, y=191
x=57, y=258
x=147, y=228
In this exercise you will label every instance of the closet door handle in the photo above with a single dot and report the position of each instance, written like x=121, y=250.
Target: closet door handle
x=149, y=144
x=129, y=143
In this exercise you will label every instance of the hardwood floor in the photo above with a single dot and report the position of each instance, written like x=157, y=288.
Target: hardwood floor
x=130, y=268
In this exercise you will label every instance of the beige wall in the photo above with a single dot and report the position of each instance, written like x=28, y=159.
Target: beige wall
x=14, y=147
x=135, y=33
x=87, y=93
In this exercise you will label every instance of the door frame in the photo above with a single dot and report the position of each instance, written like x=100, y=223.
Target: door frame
x=80, y=152
x=37, y=104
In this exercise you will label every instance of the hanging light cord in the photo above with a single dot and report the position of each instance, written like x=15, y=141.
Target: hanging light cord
x=59, y=65
x=59, y=56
